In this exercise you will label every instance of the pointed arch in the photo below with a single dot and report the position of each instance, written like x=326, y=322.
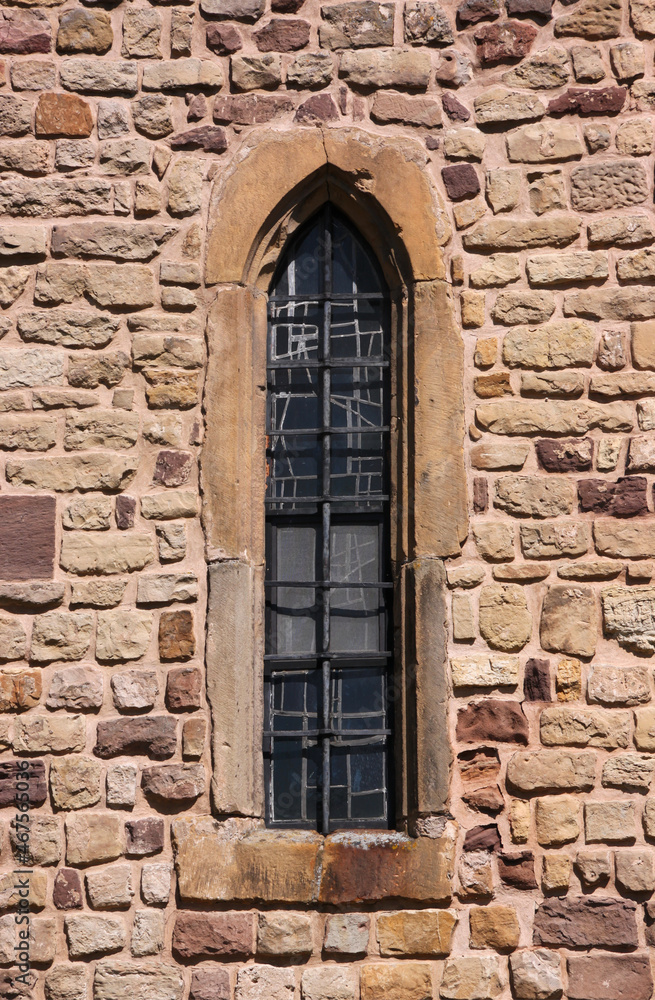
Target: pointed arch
x=275, y=183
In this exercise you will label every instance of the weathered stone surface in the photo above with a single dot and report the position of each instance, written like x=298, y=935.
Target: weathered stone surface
x=67, y=892
x=60, y=635
x=114, y=980
x=500, y=721
x=406, y=981
x=608, y=185
x=356, y=25
x=505, y=234
x=144, y=836
x=75, y=782
x=92, y=838
x=478, y=670
x=24, y=32
x=561, y=344
x=505, y=41
x=89, y=513
x=62, y=115
x=82, y=30
x=536, y=974
x=147, y=933
x=325, y=981
x=75, y=688
x=90, y=370
x=529, y=496
x=588, y=101
x=97, y=593
x=19, y=690
x=625, y=498
x=111, y=888
x=122, y=635
x=629, y=617
x=15, y=115
x=156, y=883
x=594, y=727
x=234, y=10
x=543, y=71
x=406, y=70
x=49, y=734
x=610, y=685
x=284, y=934
x=630, y=771
x=212, y=935
x=176, y=635
x=141, y=33
x=137, y=241
x=183, y=689
x=609, y=822
x=91, y=935
x=107, y=553
x=586, y=923
x=593, y=19
x=567, y=269
x=522, y=307
x=622, y=539
x=182, y=73
x=420, y=933
x=551, y=771
x=549, y=142
x=494, y=927
x=134, y=689
x=498, y=105
x=609, y=977
x=93, y=76
x=121, y=786
x=471, y=978
x=152, y=735
x=346, y=934
x=174, y=782
x=505, y=622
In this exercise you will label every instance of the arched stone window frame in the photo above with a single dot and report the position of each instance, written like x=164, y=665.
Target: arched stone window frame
x=275, y=182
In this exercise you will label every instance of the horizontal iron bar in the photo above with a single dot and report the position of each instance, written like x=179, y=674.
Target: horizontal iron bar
x=328, y=297
x=327, y=499
x=283, y=432
x=373, y=733
x=308, y=657
x=331, y=363
x=335, y=585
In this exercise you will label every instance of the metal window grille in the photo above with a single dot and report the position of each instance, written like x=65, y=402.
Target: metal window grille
x=327, y=667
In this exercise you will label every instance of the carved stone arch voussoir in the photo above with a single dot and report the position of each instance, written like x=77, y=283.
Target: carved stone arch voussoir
x=275, y=181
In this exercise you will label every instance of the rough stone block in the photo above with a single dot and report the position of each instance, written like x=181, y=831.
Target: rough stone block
x=418, y=933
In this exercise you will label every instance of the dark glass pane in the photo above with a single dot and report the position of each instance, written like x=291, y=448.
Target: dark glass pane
x=352, y=267
x=302, y=273
x=355, y=611
x=295, y=609
x=295, y=331
x=359, y=699
x=293, y=781
x=356, y=330
x=358, y=782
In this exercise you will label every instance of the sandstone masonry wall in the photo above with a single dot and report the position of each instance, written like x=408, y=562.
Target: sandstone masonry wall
x=115, y=120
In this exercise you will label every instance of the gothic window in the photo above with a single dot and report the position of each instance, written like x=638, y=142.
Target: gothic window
x=327, y=665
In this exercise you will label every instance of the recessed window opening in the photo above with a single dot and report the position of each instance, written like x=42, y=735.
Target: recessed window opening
x=329, y=591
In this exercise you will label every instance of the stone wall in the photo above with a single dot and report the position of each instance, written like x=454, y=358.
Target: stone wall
x=536, y=121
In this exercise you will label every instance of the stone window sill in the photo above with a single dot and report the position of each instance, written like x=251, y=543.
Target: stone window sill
x=216, y=863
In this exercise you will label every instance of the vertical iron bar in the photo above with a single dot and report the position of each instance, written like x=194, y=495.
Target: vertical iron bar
x=326, y=391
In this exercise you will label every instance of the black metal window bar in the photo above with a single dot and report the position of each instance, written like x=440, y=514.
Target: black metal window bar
x=328, y=719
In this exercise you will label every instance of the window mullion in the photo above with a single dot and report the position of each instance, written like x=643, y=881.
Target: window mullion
x=326, y=516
